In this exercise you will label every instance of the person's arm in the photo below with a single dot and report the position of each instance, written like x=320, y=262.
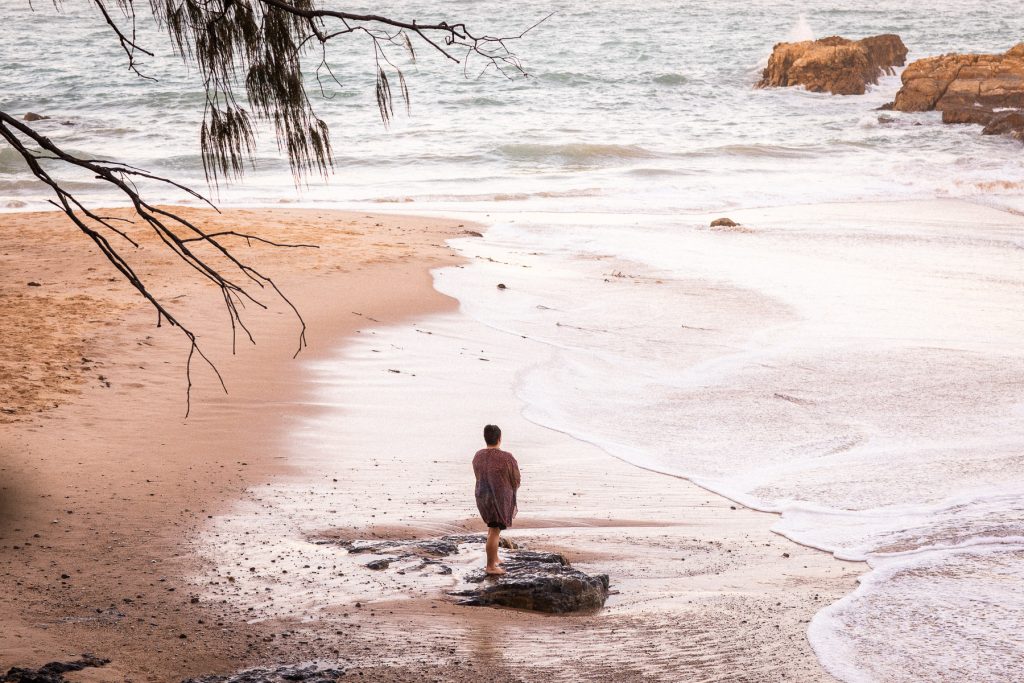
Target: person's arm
x=514, y=473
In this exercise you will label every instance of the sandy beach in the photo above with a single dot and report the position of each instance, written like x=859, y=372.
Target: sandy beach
x=740, y=282
x=120, y=521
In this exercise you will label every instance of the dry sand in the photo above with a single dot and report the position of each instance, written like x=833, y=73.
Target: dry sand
x=110, y=501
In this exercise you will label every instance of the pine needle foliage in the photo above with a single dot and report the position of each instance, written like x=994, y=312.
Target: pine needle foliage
x=250, y=57
x=255, y=47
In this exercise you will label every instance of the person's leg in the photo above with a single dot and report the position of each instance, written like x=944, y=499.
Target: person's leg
x=493, y=535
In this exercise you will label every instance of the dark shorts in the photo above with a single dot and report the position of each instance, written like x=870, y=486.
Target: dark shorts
x=496, y=525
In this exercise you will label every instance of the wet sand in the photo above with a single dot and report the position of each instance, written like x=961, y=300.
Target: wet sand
x=147, y=515
x=703, y=589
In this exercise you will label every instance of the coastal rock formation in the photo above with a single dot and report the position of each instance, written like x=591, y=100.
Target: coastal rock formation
x=1006, y=123
x=969, y=88
x=543, y=582
x=963, y=81
x=32, y=116
x=836, y=65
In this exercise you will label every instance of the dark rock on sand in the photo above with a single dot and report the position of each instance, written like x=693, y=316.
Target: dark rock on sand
x=32, y=116
x=836, y=65
x=52, y=672
x=539, y=581
x=728, y=225
x=382, y=563
x=308, y=674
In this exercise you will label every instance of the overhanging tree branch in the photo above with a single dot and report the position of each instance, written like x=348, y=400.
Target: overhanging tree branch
x=249, y=54
x=256, y=47
x=127, y=44
x=175, y=231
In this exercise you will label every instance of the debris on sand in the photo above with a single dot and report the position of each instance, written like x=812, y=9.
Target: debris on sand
x=52, y=672
x=284, y=674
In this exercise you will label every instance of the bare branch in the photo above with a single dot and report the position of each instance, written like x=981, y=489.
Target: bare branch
x=163, y=223
x=251, y=238
x=127, y=44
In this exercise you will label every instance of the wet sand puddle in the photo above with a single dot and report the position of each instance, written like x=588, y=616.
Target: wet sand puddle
x=387, y=456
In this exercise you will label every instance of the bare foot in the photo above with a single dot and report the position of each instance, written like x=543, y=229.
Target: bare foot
x=494, y=571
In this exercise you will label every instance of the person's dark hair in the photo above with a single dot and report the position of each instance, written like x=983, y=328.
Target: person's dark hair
x=492, y=435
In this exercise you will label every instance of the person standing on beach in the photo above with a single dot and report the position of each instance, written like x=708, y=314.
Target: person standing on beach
x=497, y=480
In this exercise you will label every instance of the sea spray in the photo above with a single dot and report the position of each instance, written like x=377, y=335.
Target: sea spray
x=801, y=31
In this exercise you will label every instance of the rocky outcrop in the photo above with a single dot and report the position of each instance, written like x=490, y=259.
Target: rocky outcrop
x=836, y=65
x=539, y=581
x=957, y=81
x=1006, y=123
x=543, y=582
x=968, y=88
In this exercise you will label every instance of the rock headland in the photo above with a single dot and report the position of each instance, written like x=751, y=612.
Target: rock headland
x=836, y=65
x=983, y=89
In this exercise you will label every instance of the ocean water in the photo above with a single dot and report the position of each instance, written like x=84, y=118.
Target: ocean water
x=852, y=362
x=644, y=109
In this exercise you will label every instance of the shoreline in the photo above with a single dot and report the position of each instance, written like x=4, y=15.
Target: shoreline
x=894, y=309
x=683, y=561
x=234, y=643
x=114, y=513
